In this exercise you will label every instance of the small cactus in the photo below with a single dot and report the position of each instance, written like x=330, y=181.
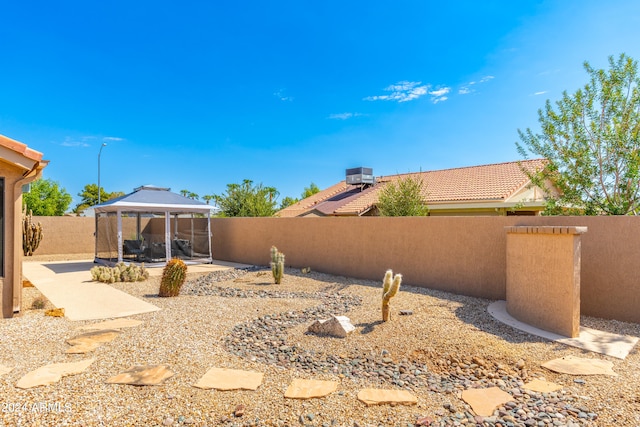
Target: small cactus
x=31, y=233
x=277, y=264
x=173, y=277
x=121, y=272
x=390, y=287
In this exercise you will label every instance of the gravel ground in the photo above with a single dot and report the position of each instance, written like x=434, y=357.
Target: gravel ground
x=239, y=319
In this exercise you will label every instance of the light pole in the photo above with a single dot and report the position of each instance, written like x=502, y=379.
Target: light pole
x=100, y=152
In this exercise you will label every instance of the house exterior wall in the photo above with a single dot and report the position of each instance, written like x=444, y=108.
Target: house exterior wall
x=11, y=281
x=464, y=255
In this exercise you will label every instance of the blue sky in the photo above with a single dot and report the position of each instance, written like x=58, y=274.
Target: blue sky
x=198, y=94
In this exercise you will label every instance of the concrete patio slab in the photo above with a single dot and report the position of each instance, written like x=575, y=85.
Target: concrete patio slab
x=613, y=345
x=68, y=285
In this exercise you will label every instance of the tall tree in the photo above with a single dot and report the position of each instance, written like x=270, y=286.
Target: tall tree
x=591, y=140
x=46, y=198
x=89, y=197
x=247, y=199
x=310, y=191
x=403, y=197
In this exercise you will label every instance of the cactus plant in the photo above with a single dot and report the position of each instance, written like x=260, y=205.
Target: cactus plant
x=31, y=233
x=277, y=264
x=390, y=287
x=173, y=277
x=121, y=272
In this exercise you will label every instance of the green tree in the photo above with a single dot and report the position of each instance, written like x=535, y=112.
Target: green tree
x=89, y=197
x=310, y=191
x=287, y=201
x=46, y=198
x=208, y=197
x=190, y=194
x=247, y=199
x=591, y=140
x=403, y=197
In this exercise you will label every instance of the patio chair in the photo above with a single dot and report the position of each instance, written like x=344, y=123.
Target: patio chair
x=133, y=248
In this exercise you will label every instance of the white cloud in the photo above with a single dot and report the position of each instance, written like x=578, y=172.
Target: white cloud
x=439, y=95
x=540, y=93
x=402, y=92
x=112, y=138
x=344, y=116
x=280, y=94
x=467, y=88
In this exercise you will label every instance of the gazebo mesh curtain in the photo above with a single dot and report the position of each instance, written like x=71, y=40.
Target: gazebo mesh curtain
x=143, y=236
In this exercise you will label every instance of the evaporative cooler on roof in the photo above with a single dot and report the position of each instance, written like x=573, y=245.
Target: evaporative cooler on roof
x=357, y=176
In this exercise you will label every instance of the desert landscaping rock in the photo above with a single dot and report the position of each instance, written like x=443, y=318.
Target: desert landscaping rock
x=308, y=389
x=580, y=366
x=450, y=344
x=89, y=341
x=484, y=401
x=371, y=396
x=230, y=379
x=336, y=326
x=142, y=375
x=52, y=373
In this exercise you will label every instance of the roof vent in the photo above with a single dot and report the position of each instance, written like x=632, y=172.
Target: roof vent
x=358, y=176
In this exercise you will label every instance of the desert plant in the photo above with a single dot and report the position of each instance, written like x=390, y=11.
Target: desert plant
x=277, y=264
x=39, y=303
x=121, y=272
x=173, y=277
x=31, y=233
x=390, y=287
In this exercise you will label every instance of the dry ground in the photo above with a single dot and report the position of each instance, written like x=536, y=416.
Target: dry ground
x=445, y=332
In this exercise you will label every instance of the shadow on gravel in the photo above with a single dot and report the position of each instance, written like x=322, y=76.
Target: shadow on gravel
x=367, y=328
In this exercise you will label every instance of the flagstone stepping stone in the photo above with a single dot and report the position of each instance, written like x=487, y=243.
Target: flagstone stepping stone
x=374, y=396
x=5, y=369
x=52, y=373
x=542, y=386
x=112, y=324
x=142, y=375
x=89, y=341
x=308, y=389
x=230, y=379
x=579, y=366
x=484, y=401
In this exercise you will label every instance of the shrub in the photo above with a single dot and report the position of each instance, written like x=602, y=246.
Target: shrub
x=39, y=303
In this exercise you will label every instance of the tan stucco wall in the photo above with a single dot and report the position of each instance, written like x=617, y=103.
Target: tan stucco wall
x=465, y=255
x=11, y=282
x=66, y=235
x=543, y=277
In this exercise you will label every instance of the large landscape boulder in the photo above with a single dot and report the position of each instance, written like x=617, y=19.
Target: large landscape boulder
x=336, y=326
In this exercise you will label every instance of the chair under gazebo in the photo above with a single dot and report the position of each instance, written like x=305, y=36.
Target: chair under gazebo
x=151, y=225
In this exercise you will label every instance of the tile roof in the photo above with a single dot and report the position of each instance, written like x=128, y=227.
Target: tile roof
x=20, y=148
x=494, y=182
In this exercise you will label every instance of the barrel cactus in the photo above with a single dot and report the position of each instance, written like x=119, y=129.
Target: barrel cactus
x=390, y=287
x=31, y=233
x=277, y=264
x=173, y=277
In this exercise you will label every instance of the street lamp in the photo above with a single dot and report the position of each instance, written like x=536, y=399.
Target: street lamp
x=100, y=152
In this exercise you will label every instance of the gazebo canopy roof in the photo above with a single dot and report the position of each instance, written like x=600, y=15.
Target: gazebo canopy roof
x=149, y=198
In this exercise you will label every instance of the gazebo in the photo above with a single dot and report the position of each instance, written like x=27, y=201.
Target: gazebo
x=153, y=225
